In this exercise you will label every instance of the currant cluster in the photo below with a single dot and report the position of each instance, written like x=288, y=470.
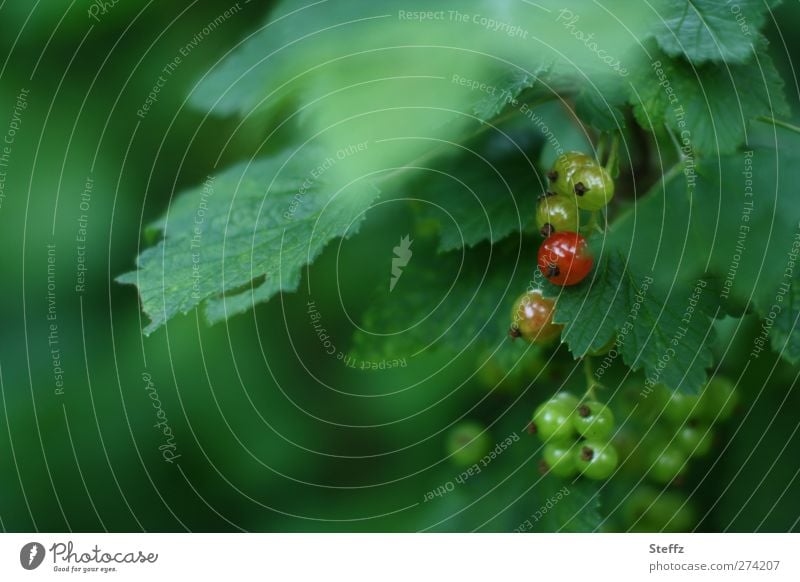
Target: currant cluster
x=648, y=509
x=577, y=184
x=680, y=428
x=576, y=436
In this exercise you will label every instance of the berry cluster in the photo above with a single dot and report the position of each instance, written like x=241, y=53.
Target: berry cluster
x=679, y=429
x=576, y=436
x=648, y=509
x=577, y=183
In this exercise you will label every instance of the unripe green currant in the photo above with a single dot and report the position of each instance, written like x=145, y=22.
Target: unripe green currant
x=651, y=510
x=556, y=213
x=694, y=439
x=718, y=400
x=679, y=407
x=560, y=458
x=563, y=168
x=467, y=443
x=667, y=464
x=596, y=459
x=593, y=421
x=567, y=398
x=593, y=187
x=552, y=420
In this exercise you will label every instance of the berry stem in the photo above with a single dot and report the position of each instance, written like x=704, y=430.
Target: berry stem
x=612, y=164
x=778, y=123
x=601, y=147
x=591, y=381
x=593, y=224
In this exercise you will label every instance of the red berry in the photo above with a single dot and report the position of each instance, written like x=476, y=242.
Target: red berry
x=564, y=258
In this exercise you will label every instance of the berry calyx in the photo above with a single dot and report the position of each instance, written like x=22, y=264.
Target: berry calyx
x=593, y=420
x=556, y=214
x=564, y=258
x=596, y=460
x=593, y=187
x=532, y=318
x=552, y=420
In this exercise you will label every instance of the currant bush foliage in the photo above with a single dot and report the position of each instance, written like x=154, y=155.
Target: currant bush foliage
x=229, y=236
x=459, y=122
x=699, y=77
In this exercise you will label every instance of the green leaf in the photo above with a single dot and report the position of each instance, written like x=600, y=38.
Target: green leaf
x=600, y=106
x=707, y=107
x=667, y=336
x=570, y=506
x=710, y=30
x=735, y=220
x=485, y=190
x=247, y=232
x=504, y=91
x=785, y=331
x=455, y=302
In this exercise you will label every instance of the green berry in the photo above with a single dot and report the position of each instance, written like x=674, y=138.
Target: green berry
x=718, y=400
x=593, y=187
x=570, y=400
x=694, y=439
x=650, y=510
x=667, y=465
x=553, y=420
x=595, y=459
x=679, y=407
x=556, y=213
x=593, y=420
x=560, y=458
x=467, y=443
x=563, y=169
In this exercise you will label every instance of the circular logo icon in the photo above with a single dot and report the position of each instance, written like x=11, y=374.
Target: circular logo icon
x=31, y=555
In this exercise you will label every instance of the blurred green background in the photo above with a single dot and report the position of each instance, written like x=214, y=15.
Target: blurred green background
x=260, y=443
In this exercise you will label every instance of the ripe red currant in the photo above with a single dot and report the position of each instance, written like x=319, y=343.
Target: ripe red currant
x=532, y=318
x=556, y=213
x=564, y=258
